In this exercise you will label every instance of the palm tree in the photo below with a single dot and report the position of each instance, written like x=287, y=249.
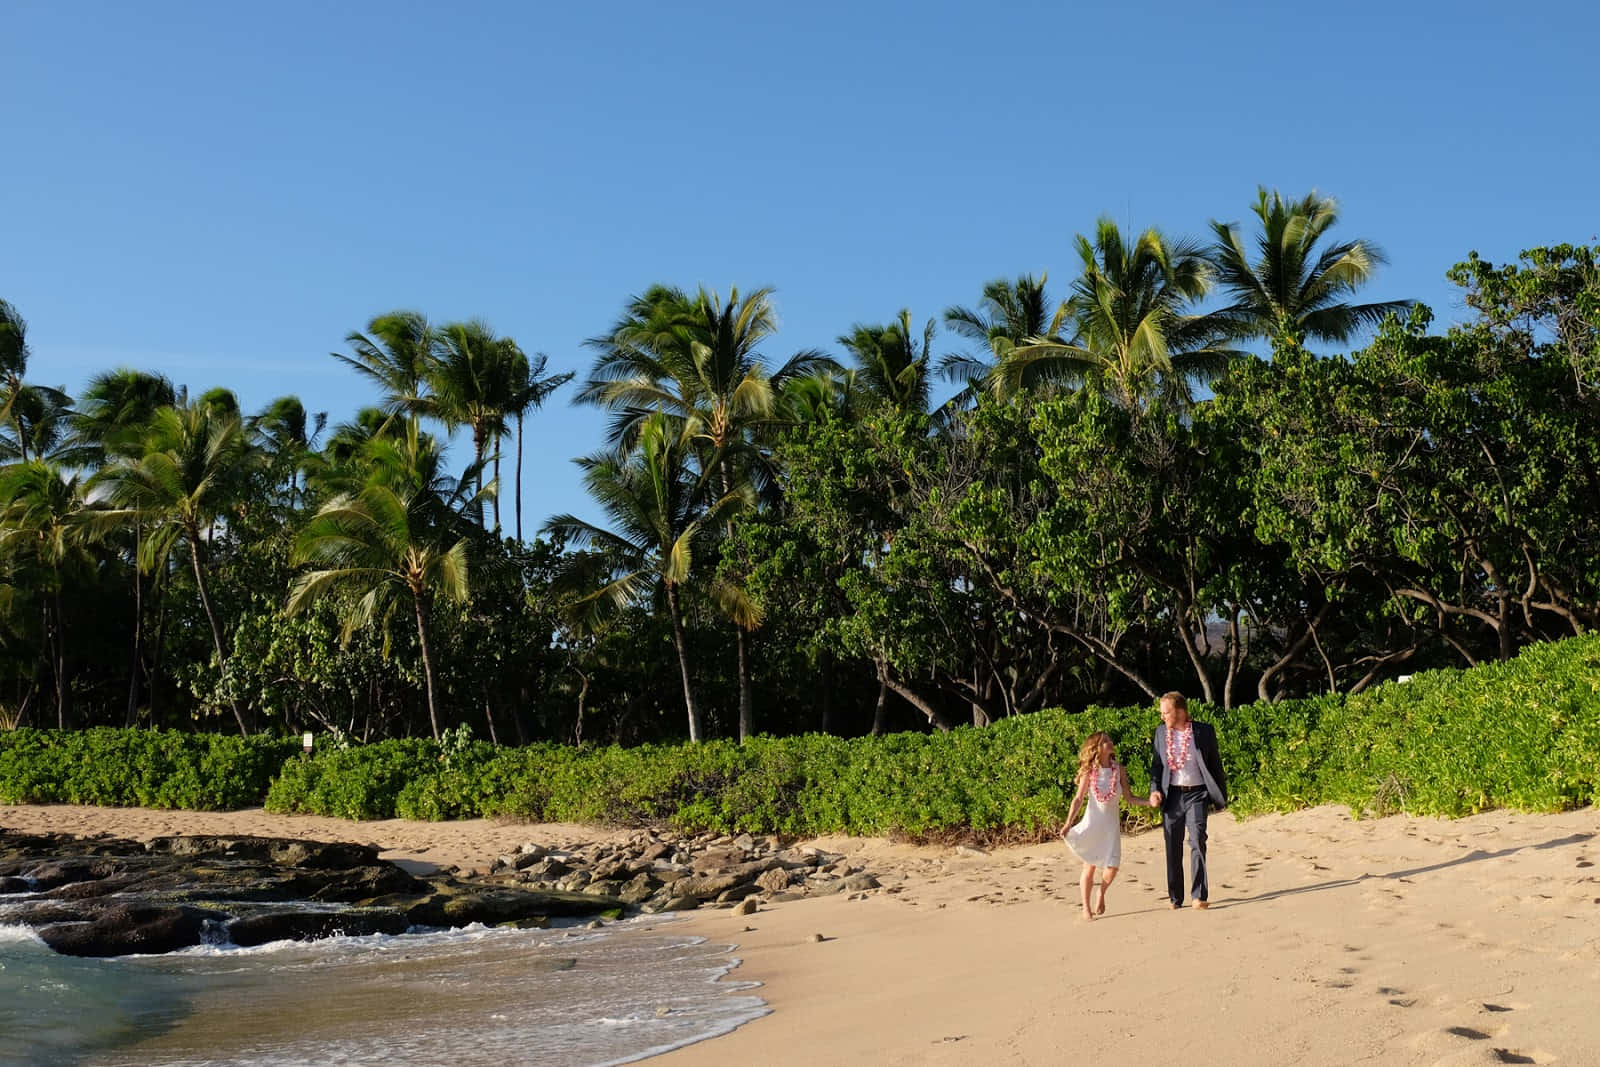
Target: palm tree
x=1291, y=289
x=696, y=359
x=890, y=364
x=475, y=382
x=28, y=409
x=288, y=435
x=1135, y=337
x=400, y=537
x=397, y=353
x=42, y=522
x=534, y=385
x=112, y=413
x=1010, y=314
x=189, y=473
x=110, y=420
x=659, y=510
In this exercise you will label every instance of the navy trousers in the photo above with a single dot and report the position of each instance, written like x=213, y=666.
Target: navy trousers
x=1180, y=810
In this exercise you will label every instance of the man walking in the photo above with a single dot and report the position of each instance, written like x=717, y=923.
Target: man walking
x=1186, y=781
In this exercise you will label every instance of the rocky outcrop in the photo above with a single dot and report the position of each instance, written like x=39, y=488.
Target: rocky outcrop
x=106, y=896
x=658, y=871
x=112, y=897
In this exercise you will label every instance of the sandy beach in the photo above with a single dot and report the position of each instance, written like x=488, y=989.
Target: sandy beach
x=1329, y=941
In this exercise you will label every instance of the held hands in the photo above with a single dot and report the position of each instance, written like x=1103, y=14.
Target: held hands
x=1155, y=799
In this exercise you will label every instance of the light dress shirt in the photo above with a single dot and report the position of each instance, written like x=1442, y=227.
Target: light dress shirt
x=1189, y=773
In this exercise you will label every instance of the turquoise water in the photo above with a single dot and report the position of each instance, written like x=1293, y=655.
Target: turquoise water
x=470, y=996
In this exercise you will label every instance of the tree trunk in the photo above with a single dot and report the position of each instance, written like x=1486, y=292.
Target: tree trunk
x=497, y=492
x=211, y=617
x=64, y=719
x=747, y=718
x=683, y=663
x=880, y=720
x=138, y=631
x=427, y=660
x=519, y=477
x=488, y=717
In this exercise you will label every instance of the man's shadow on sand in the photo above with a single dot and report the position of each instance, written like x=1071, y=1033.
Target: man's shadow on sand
x=1475, y=856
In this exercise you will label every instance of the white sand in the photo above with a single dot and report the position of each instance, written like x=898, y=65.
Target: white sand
x=1329, y=941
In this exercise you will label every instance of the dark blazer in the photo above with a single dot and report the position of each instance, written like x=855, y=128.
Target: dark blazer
x=1205, y=746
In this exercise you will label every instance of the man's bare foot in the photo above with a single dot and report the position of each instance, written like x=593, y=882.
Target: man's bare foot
x=1174, y=905
x=1202, y=905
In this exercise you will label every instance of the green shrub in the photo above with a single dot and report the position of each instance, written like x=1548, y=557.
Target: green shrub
x=1523, y=734
x=146, y=768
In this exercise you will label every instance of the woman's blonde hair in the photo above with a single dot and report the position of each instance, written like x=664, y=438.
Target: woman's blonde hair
x=1089, y=754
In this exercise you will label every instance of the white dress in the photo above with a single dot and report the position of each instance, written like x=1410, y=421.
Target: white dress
x=1097, y=837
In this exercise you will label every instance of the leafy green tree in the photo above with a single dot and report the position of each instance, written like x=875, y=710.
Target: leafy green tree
x=661, y=511
x=1291, y=289
x=400, y=538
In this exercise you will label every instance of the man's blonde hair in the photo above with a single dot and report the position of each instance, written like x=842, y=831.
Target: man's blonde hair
x=1177, y=700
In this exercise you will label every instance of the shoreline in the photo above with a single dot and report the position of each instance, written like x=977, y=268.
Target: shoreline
x=1397, y=940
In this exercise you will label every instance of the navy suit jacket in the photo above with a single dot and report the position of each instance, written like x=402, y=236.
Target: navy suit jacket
x=1205, y=747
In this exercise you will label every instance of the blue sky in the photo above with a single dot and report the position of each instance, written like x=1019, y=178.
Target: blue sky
x=222, y=192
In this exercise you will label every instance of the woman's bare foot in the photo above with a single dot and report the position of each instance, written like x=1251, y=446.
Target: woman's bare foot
x=1100, y=901
x=1088, y=915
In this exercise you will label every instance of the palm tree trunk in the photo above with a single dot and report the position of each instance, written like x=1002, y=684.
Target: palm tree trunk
x=683, y=663
x=427, y=660
x=211, y=617
x=519, y=477
x=497, y=488
x=138, y=630
x=63, y=685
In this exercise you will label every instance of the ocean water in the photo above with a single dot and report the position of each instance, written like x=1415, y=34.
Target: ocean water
x=471, y=996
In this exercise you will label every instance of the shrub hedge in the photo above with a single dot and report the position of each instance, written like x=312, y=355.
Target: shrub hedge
x=1523, y=734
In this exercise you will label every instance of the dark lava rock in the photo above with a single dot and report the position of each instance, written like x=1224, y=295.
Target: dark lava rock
x=311, y=925
x=124, y=929
x=109, y=897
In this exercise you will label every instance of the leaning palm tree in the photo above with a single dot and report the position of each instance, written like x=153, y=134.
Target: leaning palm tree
x=190, y=472
x=43, y=523
x=890, y=364
x=1010, y=314
x=1136, y=337
x=401, y=539
x=660, y=509
x=1291, y=289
